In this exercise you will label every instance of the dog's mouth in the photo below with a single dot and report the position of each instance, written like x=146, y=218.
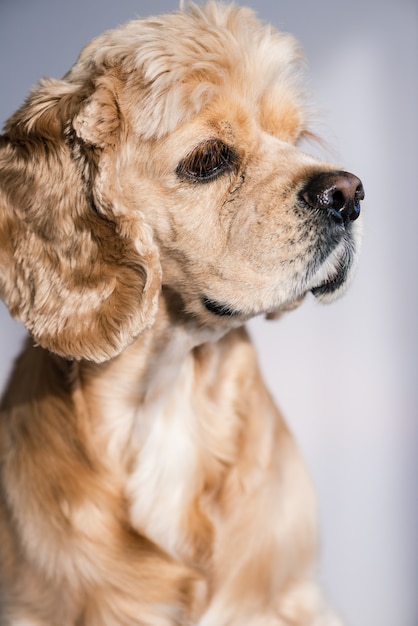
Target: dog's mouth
x=332, y=283
x=335, y=272
x=326, y=289
x=326, y=278
x=218, y=308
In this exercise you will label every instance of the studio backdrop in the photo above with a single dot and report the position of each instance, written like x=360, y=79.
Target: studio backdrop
x=345, y=375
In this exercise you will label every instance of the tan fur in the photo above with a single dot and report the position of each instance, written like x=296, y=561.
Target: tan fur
x=146, y=476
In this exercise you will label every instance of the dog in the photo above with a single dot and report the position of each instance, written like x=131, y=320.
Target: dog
x=151, y=202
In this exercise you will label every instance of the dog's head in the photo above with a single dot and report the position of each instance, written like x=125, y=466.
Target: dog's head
x=167, y=156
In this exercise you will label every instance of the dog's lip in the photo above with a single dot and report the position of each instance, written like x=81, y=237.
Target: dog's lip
x=332, y=283
x=218, y=308
x=335, y=269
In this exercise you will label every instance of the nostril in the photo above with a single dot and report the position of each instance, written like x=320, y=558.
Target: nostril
x=338, y=200
x=339, y=193
x=359, y=195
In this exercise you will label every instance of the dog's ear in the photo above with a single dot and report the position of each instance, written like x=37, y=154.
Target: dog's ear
x=79, y=271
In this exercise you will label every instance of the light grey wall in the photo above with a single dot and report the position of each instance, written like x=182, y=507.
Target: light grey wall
x=345, y=375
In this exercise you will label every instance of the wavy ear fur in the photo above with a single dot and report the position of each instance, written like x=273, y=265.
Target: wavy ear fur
x=81, y=275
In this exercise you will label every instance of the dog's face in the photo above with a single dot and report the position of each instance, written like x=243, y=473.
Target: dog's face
x=180, y=137
x=225, y=190
x=236, y=236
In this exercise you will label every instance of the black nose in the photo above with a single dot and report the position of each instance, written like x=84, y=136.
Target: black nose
x=337, y=192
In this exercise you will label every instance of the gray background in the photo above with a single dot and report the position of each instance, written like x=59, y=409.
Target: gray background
x=346, y=374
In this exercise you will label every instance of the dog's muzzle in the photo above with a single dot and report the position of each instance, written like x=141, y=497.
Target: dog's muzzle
x=338, y=196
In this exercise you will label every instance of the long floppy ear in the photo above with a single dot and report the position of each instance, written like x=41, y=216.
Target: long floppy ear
x=81, y=274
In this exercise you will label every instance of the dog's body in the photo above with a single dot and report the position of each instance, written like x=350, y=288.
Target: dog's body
x=151, y=202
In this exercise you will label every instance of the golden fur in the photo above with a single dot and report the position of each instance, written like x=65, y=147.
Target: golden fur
x=149, y=206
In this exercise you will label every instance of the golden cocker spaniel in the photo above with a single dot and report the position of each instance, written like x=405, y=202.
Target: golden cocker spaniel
x=151, y=202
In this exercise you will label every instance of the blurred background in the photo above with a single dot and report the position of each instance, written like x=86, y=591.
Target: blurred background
x=345, y=375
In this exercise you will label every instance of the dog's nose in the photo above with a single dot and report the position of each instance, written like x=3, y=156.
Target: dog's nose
x=337, y=192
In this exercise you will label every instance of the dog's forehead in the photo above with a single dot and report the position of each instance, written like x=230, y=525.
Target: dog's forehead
x=238, y=120
x=177, y=63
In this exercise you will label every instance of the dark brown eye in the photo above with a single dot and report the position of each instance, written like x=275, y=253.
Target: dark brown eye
x=207, y=161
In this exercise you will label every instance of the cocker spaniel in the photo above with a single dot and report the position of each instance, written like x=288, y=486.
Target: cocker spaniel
x=151, y=202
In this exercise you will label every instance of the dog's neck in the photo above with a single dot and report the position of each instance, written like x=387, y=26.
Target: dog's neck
x=152, y=423
x=130, y=389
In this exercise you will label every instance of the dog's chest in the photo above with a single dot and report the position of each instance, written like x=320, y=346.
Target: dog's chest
x=163, y=480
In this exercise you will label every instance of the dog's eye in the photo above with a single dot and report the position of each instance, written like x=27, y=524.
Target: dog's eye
x=207, y=161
